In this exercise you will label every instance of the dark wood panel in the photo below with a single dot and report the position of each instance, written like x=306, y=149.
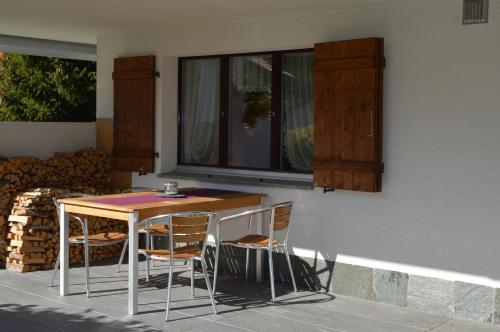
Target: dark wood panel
x=355, y=48
x=356, y=166
x=323, y=117
x=134, y=63
x=134, y=114
x=136, y=152
x=356, y=63
x=130, y=75
x=365, y=128
x=348, y=114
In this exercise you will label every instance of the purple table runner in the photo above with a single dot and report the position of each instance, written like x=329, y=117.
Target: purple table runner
x=149, y=197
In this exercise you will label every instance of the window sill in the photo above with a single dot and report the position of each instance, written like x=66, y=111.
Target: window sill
x=268, y=179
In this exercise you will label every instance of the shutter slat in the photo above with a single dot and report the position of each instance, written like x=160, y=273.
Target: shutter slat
x=339, y=64
x=135, y=74
x=357, y=166
x=138, y=153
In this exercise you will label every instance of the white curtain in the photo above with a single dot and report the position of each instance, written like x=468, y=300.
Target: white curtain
x=200, y=106
x=298, y=110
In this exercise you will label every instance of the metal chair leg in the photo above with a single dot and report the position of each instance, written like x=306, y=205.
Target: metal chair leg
x=87, y=270
x=121, y=256
x=54, y=272
x=192, y=278
x=204, y=268
x=216, y=264
x=291, y=271
x=152, y=245
x=169, y=288
x=247, y=264
x=148, y=246
x=271, y=273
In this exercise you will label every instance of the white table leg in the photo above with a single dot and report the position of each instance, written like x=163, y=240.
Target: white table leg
x=133, y=268
x=258, y=258
x=64, y=251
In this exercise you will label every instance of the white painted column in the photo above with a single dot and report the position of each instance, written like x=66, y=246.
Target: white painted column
x=133, y=268
x=64, y=251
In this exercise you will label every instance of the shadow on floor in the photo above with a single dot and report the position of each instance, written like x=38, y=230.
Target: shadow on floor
x=15, y=317
x=310, y=273
x=236, y=293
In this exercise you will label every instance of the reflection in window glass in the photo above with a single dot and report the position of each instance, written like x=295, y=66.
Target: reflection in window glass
x=200, y=109
x=249, y=132
x=298, y=111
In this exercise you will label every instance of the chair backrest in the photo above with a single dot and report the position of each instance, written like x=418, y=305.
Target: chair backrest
x=184, y=227
x=282, y=212
x=138, y=190
x=280, y=221
x=187, y=229
x=82, y=221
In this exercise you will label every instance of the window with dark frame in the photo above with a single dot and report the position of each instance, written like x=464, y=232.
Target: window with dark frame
x=247, y=111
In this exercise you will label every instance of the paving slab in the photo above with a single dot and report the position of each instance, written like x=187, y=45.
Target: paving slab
x=28, y=304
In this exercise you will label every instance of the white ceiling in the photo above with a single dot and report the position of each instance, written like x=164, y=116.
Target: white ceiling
x=81, y=21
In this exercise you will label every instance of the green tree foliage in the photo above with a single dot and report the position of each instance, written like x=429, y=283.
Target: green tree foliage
x=34, y=88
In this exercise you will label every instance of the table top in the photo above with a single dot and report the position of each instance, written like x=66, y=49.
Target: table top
x=147, y=204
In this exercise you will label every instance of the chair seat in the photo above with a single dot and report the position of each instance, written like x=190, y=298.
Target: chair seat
x=251, y=240
x=186, y=252
x=155, y=229
x=101, y=237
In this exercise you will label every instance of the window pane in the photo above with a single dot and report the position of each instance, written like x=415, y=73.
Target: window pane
x=200, y=111
x=298, y=111
x=250, y=111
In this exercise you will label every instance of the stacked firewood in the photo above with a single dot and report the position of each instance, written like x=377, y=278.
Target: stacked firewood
x=84, y=170
x=34, y=233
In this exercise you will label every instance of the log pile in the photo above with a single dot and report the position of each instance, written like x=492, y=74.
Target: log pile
x=85, y=170
x=34, y=233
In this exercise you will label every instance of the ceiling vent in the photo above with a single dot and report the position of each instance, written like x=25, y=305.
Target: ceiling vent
x=475, y=11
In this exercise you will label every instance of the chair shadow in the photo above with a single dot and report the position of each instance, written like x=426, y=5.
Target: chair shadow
x=313, y=274
x=233, y=291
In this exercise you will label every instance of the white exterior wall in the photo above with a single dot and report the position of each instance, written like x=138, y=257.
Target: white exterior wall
x=42, y=139
x=439, y=212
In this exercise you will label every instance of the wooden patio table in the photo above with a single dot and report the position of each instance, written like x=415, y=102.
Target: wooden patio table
x=133, y=207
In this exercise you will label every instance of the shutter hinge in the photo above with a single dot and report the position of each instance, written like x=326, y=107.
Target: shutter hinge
x=383, y=62
x=327, y=189
x=156, y=154
x=156, y=73
x=141, y=171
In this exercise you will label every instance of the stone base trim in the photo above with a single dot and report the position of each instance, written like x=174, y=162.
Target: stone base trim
x=443, y=297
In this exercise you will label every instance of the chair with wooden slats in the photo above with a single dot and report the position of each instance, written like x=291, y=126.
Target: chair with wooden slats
x=187, y=243
x=154, y=230
x=279, y=223
x=88, y=240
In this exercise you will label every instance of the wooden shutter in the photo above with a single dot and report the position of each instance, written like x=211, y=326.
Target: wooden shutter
x=134, y=114
x=348, y=114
